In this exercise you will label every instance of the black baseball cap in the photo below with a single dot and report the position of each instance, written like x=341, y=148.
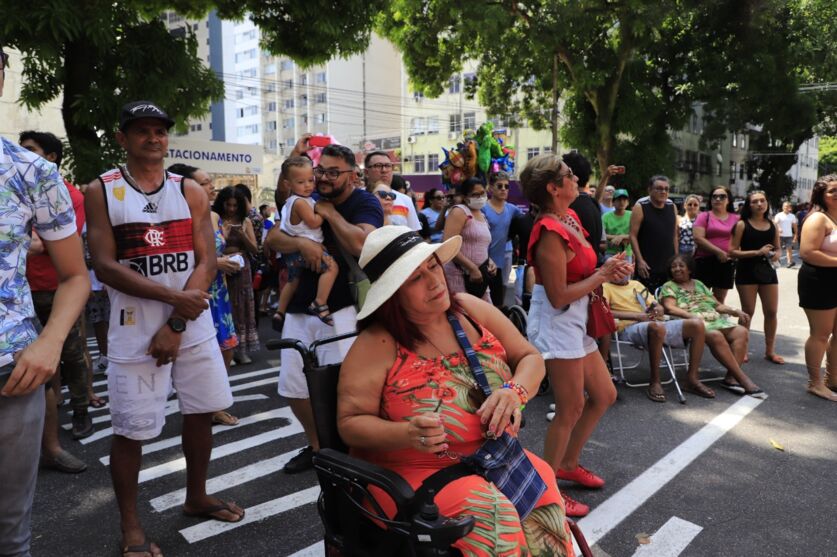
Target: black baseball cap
x=142, y=109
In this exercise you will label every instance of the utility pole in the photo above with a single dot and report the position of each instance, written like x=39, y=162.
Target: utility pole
x=555, y=103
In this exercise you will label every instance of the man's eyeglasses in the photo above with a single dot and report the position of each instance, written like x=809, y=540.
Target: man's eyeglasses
x=719, y=196
x=661, y=189
x=330, y=173
x=381, y=166
x=438, y=198
x=501, y=186
x=385, y=195
x=568, y=174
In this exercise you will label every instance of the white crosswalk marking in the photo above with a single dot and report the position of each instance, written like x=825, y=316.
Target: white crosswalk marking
x=226, y=481
x=311, y=551
x=210, y=528
x=219, y=452
x=163, y=444
x=670, y=540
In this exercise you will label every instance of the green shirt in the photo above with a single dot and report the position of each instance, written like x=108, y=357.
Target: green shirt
x=616, y=225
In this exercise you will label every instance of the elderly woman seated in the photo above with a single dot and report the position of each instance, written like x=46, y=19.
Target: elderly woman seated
x=408, y=400
x=685, y=297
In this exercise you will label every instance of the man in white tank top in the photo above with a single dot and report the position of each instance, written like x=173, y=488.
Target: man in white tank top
x=152, y=245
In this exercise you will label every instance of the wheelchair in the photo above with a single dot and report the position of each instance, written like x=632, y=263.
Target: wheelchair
x=355, y=524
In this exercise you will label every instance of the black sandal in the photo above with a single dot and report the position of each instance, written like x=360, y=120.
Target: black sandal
x=318, y=311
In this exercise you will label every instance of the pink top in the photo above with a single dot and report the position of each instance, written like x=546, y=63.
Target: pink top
x=718, y=232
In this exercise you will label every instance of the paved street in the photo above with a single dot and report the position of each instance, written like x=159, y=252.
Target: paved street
x=700, y=479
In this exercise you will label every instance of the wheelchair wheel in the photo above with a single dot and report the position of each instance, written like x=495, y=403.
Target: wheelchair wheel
x=517, y=315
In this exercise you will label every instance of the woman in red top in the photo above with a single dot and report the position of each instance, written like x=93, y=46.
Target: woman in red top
x=565, y=274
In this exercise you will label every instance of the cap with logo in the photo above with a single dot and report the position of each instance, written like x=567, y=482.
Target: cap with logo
x=142, y=109
x=620, y=193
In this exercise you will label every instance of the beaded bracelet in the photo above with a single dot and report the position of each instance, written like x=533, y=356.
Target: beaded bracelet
x=520, y=390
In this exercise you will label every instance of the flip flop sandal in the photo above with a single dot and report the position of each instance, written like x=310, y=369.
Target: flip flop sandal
x=699, y=390
x=656, y=397
x=209, y=512
x=732, y=387
x=758, y=393
x=224, y=418
x=318, y=311
x=141, y=548
x=97, y=403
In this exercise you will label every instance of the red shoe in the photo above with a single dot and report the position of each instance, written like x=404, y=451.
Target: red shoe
x=573, y=508
x=581, y=475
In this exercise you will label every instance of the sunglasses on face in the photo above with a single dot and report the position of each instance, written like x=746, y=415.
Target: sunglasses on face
x=719, y=196
x=385, y=195
x=501, y=186
x=438, y=198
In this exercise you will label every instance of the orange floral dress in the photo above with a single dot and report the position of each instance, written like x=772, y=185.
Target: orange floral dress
x=416, y=385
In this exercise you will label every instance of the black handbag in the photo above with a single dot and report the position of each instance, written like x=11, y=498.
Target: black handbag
x=502, y=460
x=477, y=288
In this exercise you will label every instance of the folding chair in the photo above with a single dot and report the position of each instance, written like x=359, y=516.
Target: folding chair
x=666, y=363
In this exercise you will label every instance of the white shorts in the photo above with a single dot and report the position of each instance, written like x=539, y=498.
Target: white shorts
x=559, y=333
x=138, y=391
x=308, y=328
x=637, y=334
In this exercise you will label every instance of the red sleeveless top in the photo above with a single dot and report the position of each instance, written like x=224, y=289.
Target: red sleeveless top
x=582, y=265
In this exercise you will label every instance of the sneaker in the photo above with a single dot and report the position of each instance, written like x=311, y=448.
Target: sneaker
x=102, y=363
x=550, y=416
x=82, y=425
x=581, y=475
x=301, y=462
x=243, y=359
x=63, y=462
x=552, y=407
x=574, y=508
x=791, y=264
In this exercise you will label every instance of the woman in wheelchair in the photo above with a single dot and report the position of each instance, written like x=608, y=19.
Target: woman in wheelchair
x=685, y=297
x=408, y=400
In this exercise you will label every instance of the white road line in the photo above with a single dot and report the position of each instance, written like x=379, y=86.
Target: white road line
x=283, y=413
x=210, y=528
x=623, y=503
x=179, y=464
x=311, y=551
x=101, y=434
x=670, y=540
x=242, y=398
x=226, y=481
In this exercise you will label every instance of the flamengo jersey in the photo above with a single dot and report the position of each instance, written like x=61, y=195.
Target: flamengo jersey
x=153, y=237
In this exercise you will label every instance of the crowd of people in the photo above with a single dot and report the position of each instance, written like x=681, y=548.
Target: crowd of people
x=176, y=274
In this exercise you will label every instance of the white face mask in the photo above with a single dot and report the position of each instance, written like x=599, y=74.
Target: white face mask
x=477, y=203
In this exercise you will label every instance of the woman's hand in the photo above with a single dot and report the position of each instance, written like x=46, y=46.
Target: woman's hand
x=475, y=275
x=497, y=411
x=743, y=317
x=427, y=433
x=616, y=268
x=722, y=256
x=492, y=267
x=227, y=266
x=642, y=268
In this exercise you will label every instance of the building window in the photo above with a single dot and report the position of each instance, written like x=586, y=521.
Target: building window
x=271, y=87
x=271, y=107
x=417, y=126
x=532, y=152
x=320, y=98
x=704, y=164
x=432, y=162
x=735, y=140
x=248, y=130
x=320, y=77
x=272, y=144
x=239, y=94
x=455, y=84
x=271, y=126
x=418, y=164
x=289, y=84
x=303, y=79
x=245, y=36
x=731, y=172
x=270, y=69
x=252, y=91
x=547, y=150
x=432, y=125
x=288, y=123
x=418, y=96
x=719, y=168
x=248, y=73
x=246, y=55
x=247, y=111
x=289, y=103
x=320, y=118
x=470, y=121
x=196, y=127
x=286, y=65
x=741, y=169
x=470, y=79
x=455, y=123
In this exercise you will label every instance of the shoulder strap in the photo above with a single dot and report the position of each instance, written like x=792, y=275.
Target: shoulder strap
x=473, y=362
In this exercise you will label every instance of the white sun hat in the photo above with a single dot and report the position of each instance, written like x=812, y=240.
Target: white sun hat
x=389, y=256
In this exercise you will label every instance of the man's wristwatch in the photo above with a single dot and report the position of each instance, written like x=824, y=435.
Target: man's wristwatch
x=176, y=324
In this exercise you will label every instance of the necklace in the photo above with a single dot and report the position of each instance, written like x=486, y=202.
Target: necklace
x=436, y=347
x=152, y=199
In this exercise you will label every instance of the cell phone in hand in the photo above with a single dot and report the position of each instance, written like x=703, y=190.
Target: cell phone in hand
x=620, y=170
x=319, y=141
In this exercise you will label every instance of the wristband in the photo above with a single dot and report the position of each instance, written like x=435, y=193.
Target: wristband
x=520, y=390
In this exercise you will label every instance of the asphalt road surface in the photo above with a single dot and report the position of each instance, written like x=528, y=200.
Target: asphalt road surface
x=730, y=476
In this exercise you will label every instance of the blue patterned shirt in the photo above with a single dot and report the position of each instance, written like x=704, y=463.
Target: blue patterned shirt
x=32, y=194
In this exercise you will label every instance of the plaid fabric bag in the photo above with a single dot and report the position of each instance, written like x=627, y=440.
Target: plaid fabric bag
x=502, y=460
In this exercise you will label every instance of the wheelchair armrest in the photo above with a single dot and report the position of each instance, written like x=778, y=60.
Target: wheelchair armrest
x=428, y=532
x=342, y=466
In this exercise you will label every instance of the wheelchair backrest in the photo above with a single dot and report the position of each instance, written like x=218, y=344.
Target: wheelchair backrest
x=322, y=388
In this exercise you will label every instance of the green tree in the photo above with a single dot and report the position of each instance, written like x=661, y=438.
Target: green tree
x=828, y=154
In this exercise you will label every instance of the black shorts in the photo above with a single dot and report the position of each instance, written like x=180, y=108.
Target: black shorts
x=816, y=287
x=713, y=273
x=755, y=270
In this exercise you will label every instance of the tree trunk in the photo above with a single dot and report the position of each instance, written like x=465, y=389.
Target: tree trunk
x=555, y=103
x=84, y=143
